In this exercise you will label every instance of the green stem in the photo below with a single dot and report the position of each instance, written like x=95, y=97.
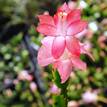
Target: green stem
x=63, y=87
x=64, y=93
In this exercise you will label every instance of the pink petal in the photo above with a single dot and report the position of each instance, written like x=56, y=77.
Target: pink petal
x=64, y=8
x=85, y=51
x=58, y=23
x=81, y=34
x=46, y=29
x=58, y=47
x=78, y=63
x=56, y=19
x=46, y=19
x=48, y=41
x=76, y=27
x=64, y=69
x=44, y=56
x=73, y=16
x=73, y=45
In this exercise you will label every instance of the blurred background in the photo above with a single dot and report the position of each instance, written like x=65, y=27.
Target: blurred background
x=23, y=82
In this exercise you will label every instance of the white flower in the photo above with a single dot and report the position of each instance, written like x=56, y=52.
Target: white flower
x=73, y=104
x=93, y=26
x=105, y=33
x=89, y=97
x=82, y=4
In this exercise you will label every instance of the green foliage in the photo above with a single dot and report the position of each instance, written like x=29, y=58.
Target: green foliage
x=59, y=101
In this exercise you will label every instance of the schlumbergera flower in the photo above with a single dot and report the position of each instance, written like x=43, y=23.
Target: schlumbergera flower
x=61, y=46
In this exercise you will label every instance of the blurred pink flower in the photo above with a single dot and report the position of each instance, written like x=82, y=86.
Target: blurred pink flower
x=15, y=81
x=89, y=97
x=64, y=27
x=23, y=75
x=33, y=86
x=54, y=89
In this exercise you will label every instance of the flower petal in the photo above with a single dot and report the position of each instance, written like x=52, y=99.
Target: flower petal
x=73, y=45
x=56, y=19
x=44, y=57
x=78, y=63
x=46, y=19
x=47, y=29
x=85, y=51
x=64, y=8
x=48, y=41
x=76, y=27
x=81, y=34
x=73, y=16
x=64, y=69
x=58, y=47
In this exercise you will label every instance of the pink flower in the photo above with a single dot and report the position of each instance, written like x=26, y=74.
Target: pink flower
x=33, y=86
x=64, y=27
x=61, y=46
x=65, y=63
x=24, y=75
x=54, y=89
x=89, y=97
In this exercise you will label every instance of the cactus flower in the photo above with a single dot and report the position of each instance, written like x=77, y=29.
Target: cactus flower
x=61, y=46
x=64, y=26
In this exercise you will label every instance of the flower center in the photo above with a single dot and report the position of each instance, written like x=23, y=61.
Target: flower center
x=62, y=23
x=62, y=15
x=66, y=55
